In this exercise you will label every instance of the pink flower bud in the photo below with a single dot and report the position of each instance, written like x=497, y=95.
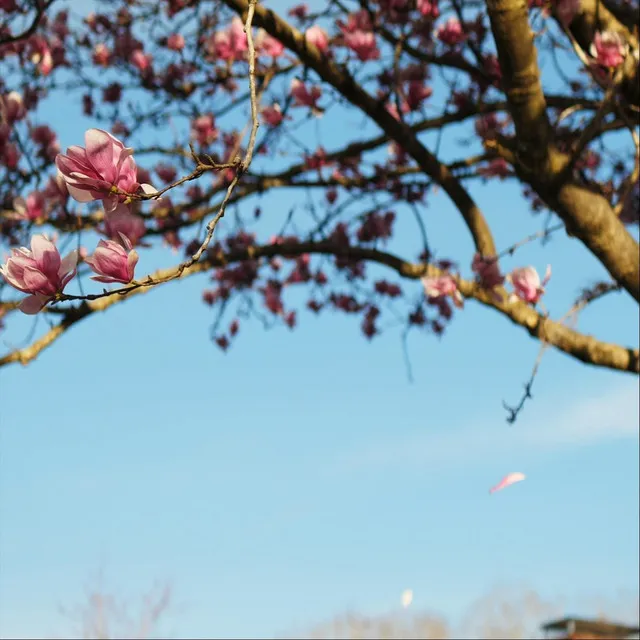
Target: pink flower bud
x=440, y=287
x=122, y=222
x=318, y=37
x=113, y=262
x=272, y=115
x=175, y=42
x=527, y=285
x=609, y=49
x=488, y=271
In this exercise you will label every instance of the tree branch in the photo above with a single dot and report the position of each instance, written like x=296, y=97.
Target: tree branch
x=581, y=347
x=397, y=131
x=586, y=213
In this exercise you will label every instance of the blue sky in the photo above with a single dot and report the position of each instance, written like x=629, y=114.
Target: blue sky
x=302, y=474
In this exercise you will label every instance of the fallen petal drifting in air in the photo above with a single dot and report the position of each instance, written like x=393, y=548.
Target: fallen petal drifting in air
x=509, y=479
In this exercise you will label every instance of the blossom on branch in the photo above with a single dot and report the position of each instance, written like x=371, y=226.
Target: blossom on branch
x=100, y=170
x=39, y=272
x=527, y=285
x=609, y=49
x=113, y=262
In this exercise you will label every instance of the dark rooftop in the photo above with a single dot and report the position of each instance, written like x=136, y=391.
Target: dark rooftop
x=595, y=627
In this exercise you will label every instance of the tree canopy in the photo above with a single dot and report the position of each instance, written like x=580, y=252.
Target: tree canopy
x=366, y=110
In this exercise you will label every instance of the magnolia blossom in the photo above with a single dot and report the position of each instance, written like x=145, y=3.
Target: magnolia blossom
x=451, y=32
x=608, y=48
x=363, y=44
x=175, y=42
x=113, y=262
x=268, y=45
x=122, y=222
x=101, y=55
x=140, y=60
x=30, y=208
x=318, y=37
x=41, y=54
x=100, y=169
x=230, y=44
x=441, y=286
x=487, y=270
x=304, y=97
x=527, y=285
x=272, y=115
x=12, y=107
x=39, y=272
x=203, y=129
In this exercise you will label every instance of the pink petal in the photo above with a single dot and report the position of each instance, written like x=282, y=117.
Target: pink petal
x=80, y=195
x=101, y=153
x=509, y=479
x=45, y=254
x=33, y=304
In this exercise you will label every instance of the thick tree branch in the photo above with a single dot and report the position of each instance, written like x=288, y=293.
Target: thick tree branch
x=521, y=79
x=587, y=214
x=581, y=347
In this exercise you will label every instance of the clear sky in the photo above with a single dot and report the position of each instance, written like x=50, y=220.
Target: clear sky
x=301, y=474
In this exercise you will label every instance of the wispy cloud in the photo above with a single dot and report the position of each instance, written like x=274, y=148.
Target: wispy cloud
x=583, y=420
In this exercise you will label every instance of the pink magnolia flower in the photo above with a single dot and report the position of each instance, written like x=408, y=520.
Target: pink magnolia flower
x=56, y=190
x=417, y=93
x=10, y=155
x=175, y=42
x=272, y=115
x=12, y=107
x=39, y=272
x=30, y=208
x=203, y=129
x=140, y=60
x=363, y=44
x=166, y=172
x=230, y=44
x=527, y=285
x=113, y=262
x=509, y=479
x=47, y=140
x=267, y=45
x=121, y=222
x=304, y=97
x=441, y=286
x=95, y=172
x=101, y=55
x=451, y=32
x=608, y=48
x=41, y=54
x=428, y=8
x=487, y=270
x=318, y=37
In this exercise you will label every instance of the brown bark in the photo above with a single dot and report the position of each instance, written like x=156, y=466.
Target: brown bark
x=586, y=214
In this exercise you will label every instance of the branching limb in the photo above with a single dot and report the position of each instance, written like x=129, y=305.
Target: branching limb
x=579, y=346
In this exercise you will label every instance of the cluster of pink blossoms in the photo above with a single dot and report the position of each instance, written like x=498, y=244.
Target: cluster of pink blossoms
x=526, y=282
x=102, y=170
